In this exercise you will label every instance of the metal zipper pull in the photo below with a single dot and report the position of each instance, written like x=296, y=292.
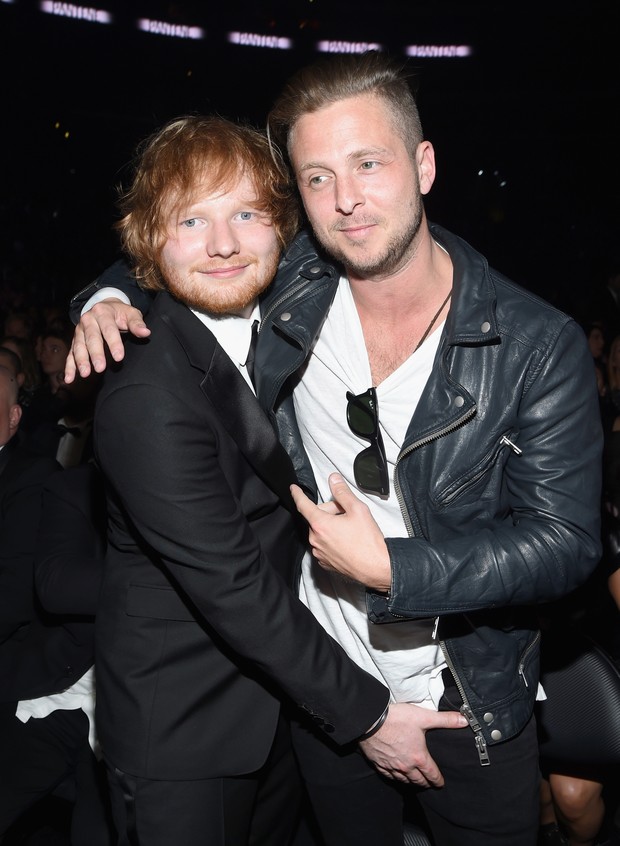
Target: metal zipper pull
x=481, y=744
x=513, y=447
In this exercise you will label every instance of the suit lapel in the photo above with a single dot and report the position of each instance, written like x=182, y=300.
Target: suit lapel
x=232, y=398
x=246, y=422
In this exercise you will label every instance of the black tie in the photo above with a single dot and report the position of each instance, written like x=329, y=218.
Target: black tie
x=68, y=430
x=249, y=364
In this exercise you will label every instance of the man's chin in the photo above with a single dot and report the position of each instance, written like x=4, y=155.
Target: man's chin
x=221, y=303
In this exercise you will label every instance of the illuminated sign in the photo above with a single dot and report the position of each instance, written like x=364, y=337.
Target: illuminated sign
x=253, y=39
x=346, y=46
x=170, y=30
x=70, y=10
x=439, y=51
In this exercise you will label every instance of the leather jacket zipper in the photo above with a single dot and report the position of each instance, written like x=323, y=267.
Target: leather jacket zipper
x=467, y=711
x=289, y=294
x=488, y=462
x=523, y=660
x=410, y=448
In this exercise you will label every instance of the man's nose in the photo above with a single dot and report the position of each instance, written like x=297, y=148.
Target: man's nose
x=222, y=239
x=349, y=194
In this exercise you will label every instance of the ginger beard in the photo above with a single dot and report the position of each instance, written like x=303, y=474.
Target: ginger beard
x=221, y=296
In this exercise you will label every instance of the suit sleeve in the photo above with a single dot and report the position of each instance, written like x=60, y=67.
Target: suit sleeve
x=118, y=276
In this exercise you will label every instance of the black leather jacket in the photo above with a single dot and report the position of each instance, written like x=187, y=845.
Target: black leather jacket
x=498, y=478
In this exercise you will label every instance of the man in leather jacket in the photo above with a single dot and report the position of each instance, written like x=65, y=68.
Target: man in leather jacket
x=475, y=455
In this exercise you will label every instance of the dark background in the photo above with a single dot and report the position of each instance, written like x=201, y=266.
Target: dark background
x=535, y=109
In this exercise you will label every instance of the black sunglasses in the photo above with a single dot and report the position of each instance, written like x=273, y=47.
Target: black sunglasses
x=370, y=466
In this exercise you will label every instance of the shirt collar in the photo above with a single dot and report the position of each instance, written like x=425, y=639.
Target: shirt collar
x=233, y=333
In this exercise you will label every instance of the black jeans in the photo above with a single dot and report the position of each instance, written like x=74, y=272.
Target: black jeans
x=497, y=805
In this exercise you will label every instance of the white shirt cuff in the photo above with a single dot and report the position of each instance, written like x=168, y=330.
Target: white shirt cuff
x=104, y=294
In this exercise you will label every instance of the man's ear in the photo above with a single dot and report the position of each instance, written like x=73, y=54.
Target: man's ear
x=15, y=415
x=425, y=162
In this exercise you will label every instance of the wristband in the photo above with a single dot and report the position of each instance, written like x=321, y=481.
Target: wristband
x=376, y=726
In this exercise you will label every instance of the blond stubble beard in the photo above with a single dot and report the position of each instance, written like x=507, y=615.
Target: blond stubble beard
x=390, y=260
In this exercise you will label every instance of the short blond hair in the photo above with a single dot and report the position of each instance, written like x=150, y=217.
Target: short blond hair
x=334, y=78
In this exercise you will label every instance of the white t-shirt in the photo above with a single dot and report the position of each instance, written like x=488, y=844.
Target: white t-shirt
x=403, y=655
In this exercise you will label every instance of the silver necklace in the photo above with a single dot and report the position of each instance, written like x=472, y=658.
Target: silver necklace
x=432, y=323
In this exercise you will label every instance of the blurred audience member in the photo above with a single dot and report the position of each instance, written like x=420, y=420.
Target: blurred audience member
x=12, y=362
x=572, y=798
x=613, y=373
x=595, y=333
x=20, y=324
x=30, y=366
x=604, y=299
x=47, y=732
x=572, y=809
x=74, y=443
x=22, y=474
x=47, y=405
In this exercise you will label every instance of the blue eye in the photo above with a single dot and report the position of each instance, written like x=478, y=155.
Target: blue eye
x=246, y=215
x=189, y=224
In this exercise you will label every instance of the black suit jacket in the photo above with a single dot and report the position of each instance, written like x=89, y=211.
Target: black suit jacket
x=22, y=475
x=197, y=627
x=55, y=646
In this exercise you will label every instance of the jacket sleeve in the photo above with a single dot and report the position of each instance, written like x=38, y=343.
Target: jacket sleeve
x=118, y=276
x=540, y=538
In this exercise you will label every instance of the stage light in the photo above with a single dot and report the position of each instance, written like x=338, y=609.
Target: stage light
x=170, y=30
x=346, y=46
x=253, y=39
x=439, y=51
x=70, y=10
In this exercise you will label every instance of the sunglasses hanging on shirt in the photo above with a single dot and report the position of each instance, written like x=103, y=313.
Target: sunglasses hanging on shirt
x=370, y=466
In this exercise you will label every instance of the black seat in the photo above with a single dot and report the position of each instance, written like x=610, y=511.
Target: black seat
x=415, y=836
x=579, y=722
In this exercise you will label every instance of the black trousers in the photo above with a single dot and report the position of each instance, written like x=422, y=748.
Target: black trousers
x=497, y=805
x=38, y=756
x=258, y=809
